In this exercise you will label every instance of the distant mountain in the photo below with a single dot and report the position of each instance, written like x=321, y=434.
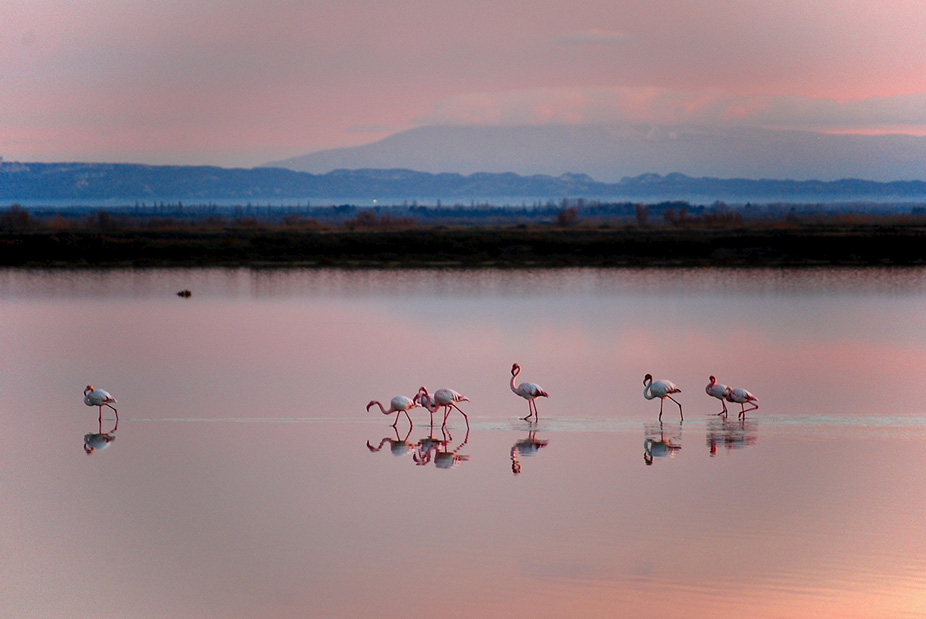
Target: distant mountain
x=94, y=183
x=609, y=153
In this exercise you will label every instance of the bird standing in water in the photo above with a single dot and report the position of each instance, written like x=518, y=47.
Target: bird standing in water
x=718, y=391
x=101, y=398
x=399, y=404
x=446, y=398
x=528, y=391
x=742, y=397
x=661, y=389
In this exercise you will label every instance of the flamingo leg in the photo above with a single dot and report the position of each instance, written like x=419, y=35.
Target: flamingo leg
x=462, y=413
x=406, y=416
x=679, y=407
x=530, y=410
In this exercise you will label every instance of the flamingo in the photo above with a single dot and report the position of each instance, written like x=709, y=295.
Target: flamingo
x=742, y=397
x=101, y=398
x=718, y=391
x=446, y=398
x=528, y=391
x=661, y=389
x=399, y=404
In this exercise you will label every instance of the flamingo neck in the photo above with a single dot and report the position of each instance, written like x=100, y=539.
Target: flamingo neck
x=646, y=390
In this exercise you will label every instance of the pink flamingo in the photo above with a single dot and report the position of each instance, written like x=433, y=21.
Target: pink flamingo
x=101, y=398
x=528, y=391
x=399, y=404
x=661, y=389
x=718, y=391
x=742, y=397
x=446, y=398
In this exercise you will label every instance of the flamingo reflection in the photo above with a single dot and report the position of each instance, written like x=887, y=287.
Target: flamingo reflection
x=397, y=446
x=525, y=448
x=96, y=441
x=731, y=435
x=442, y=398
x=438, y=451
x=100, y=398
x=656, y=445
x=399, y=404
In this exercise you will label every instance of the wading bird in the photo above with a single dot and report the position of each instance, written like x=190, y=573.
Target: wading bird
x=528, y=391
x=101, y=398
x=446, y=398
x=661, y=389
x=742, y=397
x=719, y=391
x=399, y=404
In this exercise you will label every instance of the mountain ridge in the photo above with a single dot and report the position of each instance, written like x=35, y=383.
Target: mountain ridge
x=611, y=152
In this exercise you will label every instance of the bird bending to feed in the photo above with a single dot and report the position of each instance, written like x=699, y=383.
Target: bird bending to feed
x=446, y=398
x=101, y=398
x=528, y=391
x=718, y=391
x=661, y=389
x=742, y=397
x=399, y=404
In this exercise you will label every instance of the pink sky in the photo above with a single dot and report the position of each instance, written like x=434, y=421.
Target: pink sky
x=236, y=83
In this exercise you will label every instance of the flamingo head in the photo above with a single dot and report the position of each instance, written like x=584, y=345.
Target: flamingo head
x=515, y=369
x=88, y=388
x=647, y=378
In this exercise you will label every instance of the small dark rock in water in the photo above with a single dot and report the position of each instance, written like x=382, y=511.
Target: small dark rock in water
x=184, y=293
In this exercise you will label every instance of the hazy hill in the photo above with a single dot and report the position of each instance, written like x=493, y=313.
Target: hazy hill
x=609, y=153
x=90, y=183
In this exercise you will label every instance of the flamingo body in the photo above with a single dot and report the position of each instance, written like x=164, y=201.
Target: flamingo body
x=99, y=398
x=399, y=404
x=528, y=391
x=719, y=391
x=446, y=398
x=742, y=397
x=661, y=389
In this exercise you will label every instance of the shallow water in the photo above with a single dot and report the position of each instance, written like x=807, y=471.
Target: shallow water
x=246, y=478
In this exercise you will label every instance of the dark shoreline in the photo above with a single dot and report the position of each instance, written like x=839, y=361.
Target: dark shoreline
x=778, y=245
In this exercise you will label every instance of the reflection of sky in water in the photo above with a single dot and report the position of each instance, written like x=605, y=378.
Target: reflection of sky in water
x=241, y=483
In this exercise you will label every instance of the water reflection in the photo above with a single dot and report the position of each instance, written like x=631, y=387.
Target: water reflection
x=659, y=443
x=426, y=450
x=731, y=434
x=397, y=446
x=99, y=440
x=432, y=449
x=525, y=448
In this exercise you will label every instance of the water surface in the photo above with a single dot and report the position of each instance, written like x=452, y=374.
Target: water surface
x=246, y=479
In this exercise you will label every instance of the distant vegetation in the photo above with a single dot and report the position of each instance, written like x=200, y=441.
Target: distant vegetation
x=567, y=233
x=84, y=183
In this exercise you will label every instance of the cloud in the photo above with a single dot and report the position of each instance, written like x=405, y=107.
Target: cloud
x=593, y=37
x=664, y=106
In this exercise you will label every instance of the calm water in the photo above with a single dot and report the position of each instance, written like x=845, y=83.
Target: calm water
x=246, y=478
